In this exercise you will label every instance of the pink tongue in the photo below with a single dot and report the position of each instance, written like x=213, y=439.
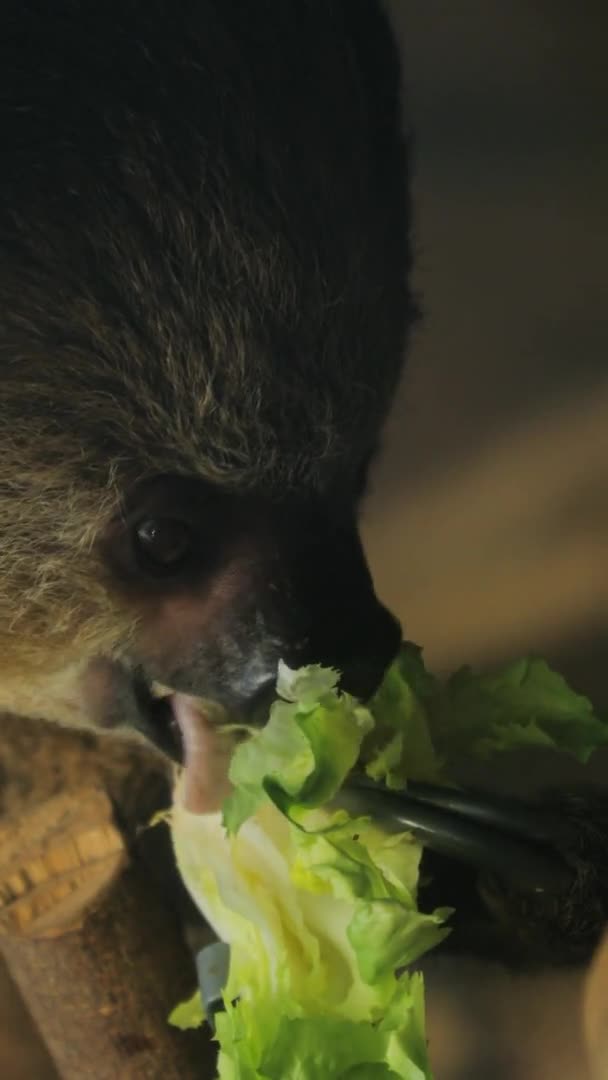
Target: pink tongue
x=206, y=757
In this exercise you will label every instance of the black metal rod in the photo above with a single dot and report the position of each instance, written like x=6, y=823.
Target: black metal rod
x=450, y=831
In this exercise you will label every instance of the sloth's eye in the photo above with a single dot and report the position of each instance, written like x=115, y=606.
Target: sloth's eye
x=162, y=545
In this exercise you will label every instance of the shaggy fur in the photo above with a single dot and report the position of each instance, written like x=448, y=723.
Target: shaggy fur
x=203, y=267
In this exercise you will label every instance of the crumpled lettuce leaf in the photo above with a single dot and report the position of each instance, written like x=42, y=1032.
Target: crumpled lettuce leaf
x=320, y=1047
x=188, y=1014
x=311, y=742
x=525, y=704
x=400, y=746
x=421, y=723
x=319, y=908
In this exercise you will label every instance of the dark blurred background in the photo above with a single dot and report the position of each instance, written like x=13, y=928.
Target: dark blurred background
x=490, y=518
x=488, y=524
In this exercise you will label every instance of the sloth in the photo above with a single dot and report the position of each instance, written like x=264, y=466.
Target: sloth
x=204, y=311
x=205, y=305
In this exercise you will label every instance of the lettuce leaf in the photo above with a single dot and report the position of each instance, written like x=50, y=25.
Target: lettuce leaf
x=525, y=704
x=320, y=908
x=400, y=746
x=311, y=742
x=420, y=724
x=188, y=1014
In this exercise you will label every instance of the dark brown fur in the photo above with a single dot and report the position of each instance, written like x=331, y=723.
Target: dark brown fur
x=203, y=273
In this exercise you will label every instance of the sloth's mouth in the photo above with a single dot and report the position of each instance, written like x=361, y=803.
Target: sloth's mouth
x=163, y=712
x=157, y=718
x=189, y=731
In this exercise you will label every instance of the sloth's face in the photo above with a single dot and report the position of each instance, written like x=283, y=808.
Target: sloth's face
x=222, y=587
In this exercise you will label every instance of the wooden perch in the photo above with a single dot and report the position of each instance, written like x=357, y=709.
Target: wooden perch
x=95, y=947
x=56, y=861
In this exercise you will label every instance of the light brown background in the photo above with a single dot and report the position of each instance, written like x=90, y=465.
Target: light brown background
x=488, y=526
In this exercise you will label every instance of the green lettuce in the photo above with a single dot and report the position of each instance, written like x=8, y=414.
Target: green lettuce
x=320, y=908
x=525, y=704
x=400, y=746
x=422, y=723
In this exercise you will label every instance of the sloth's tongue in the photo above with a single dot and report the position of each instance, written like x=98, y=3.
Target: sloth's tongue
x=204, y=782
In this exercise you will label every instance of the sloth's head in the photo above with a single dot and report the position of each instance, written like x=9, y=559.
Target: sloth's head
x=203, y=286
